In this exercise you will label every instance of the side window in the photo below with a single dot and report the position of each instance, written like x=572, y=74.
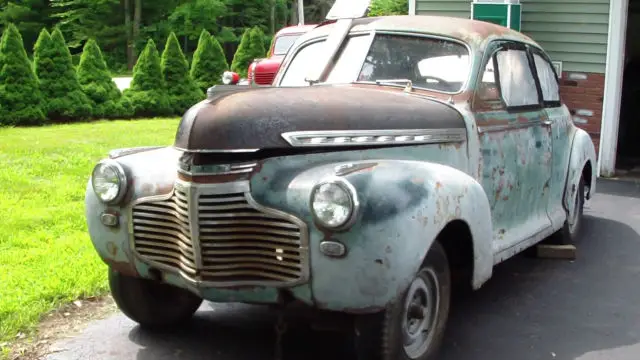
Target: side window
x=517, y=84
x=548, y=79
x=488, y=86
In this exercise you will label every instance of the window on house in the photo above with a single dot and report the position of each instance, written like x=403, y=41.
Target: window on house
x=517, y=83
x=548, y=79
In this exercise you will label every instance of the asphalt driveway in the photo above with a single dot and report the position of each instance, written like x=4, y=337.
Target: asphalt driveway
x=531, y=309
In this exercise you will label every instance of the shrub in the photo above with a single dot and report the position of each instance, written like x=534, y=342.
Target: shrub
x=97, y=83
x=209, y=62
x=183, y=92
x=257, y=40
x=243, y=56
x=59, y=83
x=251, y=47
x=20, y=97
x=389, y=7
x=147, y=93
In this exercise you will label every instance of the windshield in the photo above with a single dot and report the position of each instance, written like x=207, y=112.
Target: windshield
x=284, y=43
x=429, y=63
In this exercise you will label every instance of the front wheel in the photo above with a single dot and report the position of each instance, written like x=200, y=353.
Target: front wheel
x=413, y=327
x=151, y=304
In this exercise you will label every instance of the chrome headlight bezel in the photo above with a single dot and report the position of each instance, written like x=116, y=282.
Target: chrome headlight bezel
x=122, y=180
x=354, y=203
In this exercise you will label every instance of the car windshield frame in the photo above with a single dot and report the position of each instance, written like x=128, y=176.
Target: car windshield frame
x=371, y=34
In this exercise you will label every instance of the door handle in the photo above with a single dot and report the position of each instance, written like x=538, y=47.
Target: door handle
x=547, y=122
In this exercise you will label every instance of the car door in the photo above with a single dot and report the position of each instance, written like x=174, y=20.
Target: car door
x=515, y=143
x=560, y=119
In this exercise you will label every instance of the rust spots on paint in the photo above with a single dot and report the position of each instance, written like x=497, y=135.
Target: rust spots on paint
x=112, y=249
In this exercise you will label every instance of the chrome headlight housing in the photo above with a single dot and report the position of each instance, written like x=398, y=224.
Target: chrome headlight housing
x=109, y=181
x=334, y=203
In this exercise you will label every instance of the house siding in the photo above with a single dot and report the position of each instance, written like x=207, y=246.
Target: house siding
x=571, y=31
x=454, y=8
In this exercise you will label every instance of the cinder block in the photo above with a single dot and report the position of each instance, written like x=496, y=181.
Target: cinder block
x=565, y=252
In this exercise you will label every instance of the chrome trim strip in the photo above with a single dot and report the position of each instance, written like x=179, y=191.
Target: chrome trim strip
x=195, y=190
x=217, y=151
x=373, y=137
x=226, y=169
x=519, y=125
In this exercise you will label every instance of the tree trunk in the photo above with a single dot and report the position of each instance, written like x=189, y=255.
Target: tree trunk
x=294, y=13
x=137, y=18
x=273, y=16
x=127, y=25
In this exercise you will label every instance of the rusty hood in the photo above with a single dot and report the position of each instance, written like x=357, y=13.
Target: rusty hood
x=256, y=118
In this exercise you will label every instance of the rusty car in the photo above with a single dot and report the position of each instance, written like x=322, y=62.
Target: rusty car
x=392, y=158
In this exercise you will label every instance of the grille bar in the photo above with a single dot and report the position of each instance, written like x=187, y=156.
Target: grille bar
x=215, y=235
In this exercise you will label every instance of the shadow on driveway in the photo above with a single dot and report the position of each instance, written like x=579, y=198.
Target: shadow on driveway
x=530, y=309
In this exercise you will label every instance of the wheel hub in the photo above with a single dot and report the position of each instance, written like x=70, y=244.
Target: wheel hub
x=420, y=313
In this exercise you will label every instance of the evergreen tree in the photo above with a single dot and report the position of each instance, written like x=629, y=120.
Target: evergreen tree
x=59, y=83
x=20, y=98
x=243, y=56
x=97, y=83
x=257, y=41
x=388, y=7
x=147, y=92
x=209, y=62
x=182, y=90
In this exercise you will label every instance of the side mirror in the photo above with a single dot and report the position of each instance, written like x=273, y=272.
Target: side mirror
x=230, y=78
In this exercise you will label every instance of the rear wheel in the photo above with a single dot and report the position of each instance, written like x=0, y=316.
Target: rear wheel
x=152, y=304
x=571, y=230
x=413, y=327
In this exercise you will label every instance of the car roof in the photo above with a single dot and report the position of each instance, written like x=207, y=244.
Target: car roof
x=295, y=29
x=473, y=32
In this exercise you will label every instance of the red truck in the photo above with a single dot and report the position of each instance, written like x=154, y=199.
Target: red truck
x=262, y=71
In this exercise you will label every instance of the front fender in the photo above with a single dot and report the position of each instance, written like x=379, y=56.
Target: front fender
x=149, y=173
x=582, y=152
x=404, y=205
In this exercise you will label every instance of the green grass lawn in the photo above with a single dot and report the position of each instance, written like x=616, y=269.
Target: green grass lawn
x=46, y=258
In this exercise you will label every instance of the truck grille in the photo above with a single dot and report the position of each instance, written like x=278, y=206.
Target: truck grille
x=264, y=78
x=236, y=241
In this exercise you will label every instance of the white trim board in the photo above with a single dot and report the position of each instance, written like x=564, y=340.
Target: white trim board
x=618, y=11
x=412, y=7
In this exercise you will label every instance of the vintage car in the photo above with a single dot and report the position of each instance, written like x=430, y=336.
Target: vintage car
x=394, y=158
x=263, y=71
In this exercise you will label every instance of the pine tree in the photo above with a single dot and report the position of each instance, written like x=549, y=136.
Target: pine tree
x=59, y=83
x=209, y=62
x=96, y=82
x=182, y=90
x=20, y=98
x=147, y=93
x=243, y=56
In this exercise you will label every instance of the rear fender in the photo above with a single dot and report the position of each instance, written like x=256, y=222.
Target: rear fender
x=582, y=152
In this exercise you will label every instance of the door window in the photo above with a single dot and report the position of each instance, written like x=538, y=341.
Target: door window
x=548, y=79
x=517, y=84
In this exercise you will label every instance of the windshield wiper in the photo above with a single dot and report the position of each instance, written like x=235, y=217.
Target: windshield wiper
x=406, y=83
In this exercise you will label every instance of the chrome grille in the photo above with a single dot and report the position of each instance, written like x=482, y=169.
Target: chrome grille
x=161, y=232
x=233, y=240
x=241, y=243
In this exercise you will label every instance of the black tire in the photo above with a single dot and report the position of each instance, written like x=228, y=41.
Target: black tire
x=381, y=336
x=153, y=305
x=571, y=229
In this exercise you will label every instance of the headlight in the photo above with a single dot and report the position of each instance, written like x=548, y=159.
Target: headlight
x=109, y=181
x=334, y=203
